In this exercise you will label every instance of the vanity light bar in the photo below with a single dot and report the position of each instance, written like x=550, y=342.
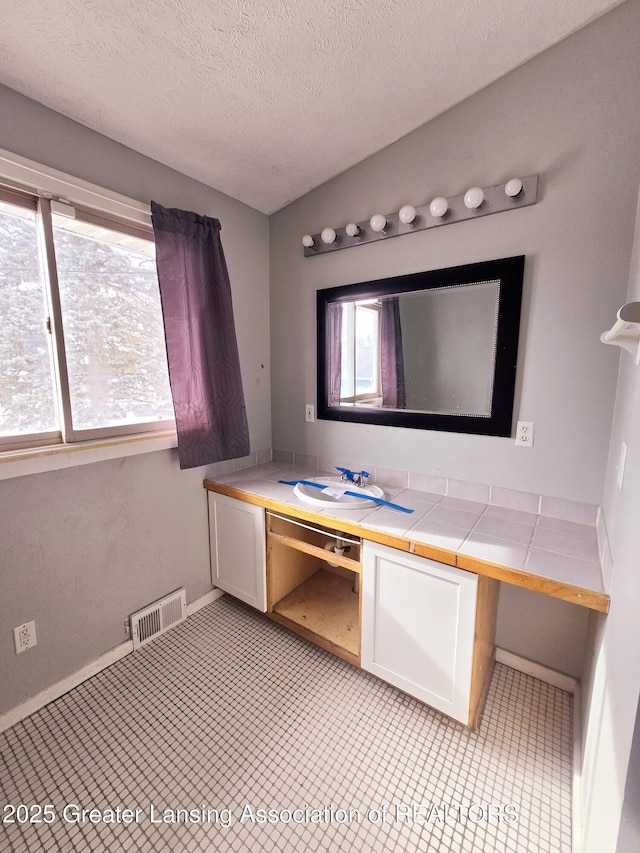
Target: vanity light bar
x=474, y=203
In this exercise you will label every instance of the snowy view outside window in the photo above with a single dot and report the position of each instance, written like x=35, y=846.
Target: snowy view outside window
x=27, y=402
x=360, y=352
x=112, y=320
x=112, y=328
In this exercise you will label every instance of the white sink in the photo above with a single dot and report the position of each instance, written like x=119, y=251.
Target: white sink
x=317, y=497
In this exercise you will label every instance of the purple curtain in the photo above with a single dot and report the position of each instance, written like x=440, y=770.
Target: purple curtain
x=391, y=355
x=204, y=368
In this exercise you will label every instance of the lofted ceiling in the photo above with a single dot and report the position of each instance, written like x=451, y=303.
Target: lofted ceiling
x=267, y=99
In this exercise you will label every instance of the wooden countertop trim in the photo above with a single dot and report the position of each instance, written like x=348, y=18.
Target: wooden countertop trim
x=547, y=586
x=584, y=597
x=432, y=552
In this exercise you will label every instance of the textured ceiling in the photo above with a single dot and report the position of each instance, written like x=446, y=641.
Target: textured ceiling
x=267, y=99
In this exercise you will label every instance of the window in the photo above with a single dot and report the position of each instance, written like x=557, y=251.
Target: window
x=360, y=352
x=82, y=351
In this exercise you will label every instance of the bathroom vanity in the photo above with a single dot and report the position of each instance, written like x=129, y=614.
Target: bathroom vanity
x=419, y=615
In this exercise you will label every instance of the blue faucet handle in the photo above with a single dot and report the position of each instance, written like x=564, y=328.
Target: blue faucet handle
x=350, y=476
x=346, y=475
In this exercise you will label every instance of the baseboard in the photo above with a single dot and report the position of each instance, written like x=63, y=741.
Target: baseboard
x=205, y=599
x=537, y=670
x=577, y=825
x=571, y=685
x=35, y=703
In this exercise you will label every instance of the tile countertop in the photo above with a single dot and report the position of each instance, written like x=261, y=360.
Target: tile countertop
x=549, y=552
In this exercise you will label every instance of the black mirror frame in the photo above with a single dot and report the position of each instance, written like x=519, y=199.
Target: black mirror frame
x=509, y=272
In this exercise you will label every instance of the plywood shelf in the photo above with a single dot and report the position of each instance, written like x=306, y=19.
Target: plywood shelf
x=316, y=599
x=326, y=606
x=316, y=551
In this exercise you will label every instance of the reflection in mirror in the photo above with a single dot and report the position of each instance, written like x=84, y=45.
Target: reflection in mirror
x=429, y=351
x=435, y=350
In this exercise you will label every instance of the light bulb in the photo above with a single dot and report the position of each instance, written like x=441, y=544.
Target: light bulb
x=439, y=207
x=513, y=187
x=473, y=198
x=328, y=235
x=352, y=229
x=308, y=242
x=407, y=214
x=378, y=222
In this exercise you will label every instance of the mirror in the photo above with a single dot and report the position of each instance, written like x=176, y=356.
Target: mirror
x=431, y=350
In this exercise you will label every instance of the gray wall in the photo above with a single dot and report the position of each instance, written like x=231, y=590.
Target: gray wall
x=570, y=115
x=612, y=678
x=81, y=549
x=448, y=339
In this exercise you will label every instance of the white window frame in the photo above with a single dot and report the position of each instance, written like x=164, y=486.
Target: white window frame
x=349, y=320
x=50, y=183
x=29, y=179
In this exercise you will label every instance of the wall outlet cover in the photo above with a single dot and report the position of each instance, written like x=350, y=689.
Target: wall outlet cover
x=24, y=636
x=524, y=434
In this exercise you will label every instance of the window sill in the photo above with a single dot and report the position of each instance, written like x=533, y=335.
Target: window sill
x=37, y=460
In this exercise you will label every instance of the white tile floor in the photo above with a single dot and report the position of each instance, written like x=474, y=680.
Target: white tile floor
x=229, y=713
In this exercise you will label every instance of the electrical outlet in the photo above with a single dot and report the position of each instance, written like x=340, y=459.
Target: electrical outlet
x=24, y=636
x=524, y=434
x=309, y=413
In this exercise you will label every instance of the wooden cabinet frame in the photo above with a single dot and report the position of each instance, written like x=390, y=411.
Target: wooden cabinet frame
x=319, y=601
x=280, y=564
x=323, y=603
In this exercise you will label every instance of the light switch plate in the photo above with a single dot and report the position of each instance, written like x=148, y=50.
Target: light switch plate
x=309, y=413
x=622, y=463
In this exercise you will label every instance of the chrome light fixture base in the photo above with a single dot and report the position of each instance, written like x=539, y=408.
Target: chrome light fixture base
x=496, y=200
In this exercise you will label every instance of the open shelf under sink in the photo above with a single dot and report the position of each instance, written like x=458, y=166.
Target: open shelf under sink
x=326, y=605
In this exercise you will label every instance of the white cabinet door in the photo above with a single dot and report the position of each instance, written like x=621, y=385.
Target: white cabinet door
x=418, y=626
x=238, y=553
